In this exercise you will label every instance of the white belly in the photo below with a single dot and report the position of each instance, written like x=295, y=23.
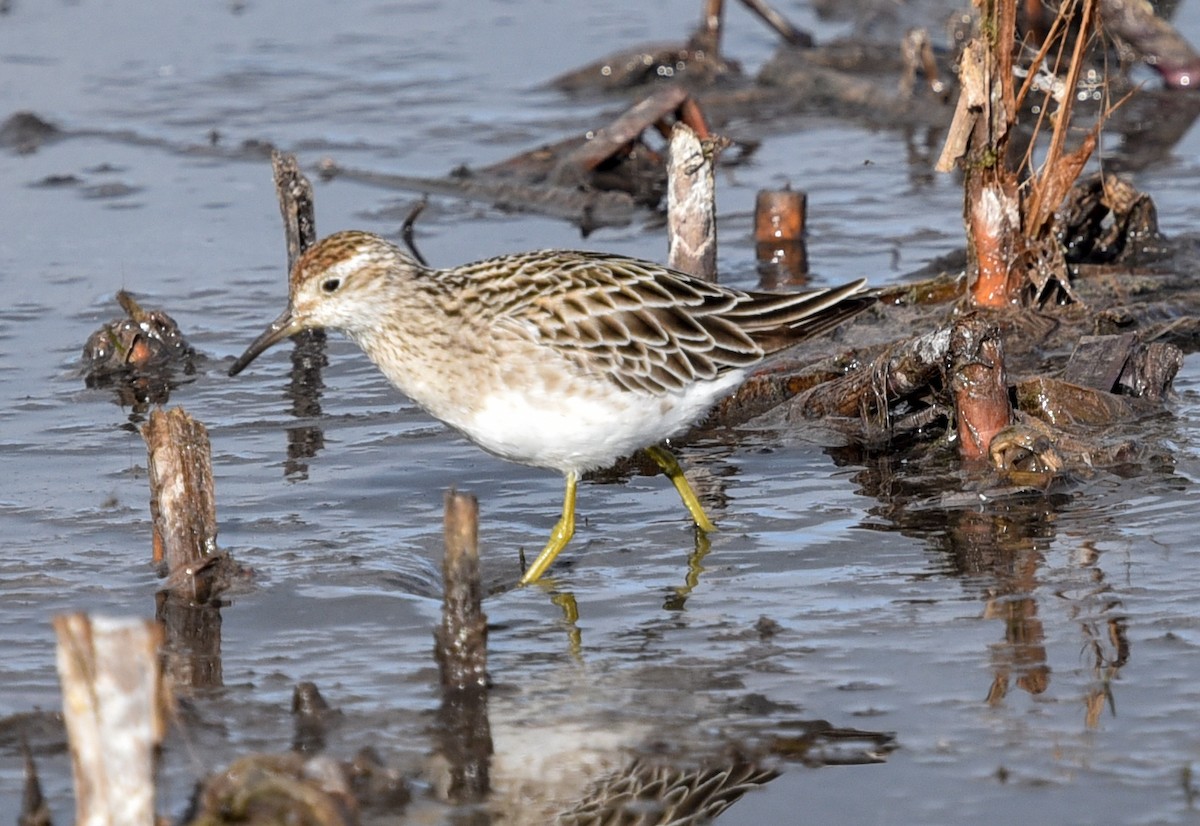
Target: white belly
x=582, y=431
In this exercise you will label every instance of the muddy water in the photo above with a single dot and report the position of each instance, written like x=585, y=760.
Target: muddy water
x=1034, y=659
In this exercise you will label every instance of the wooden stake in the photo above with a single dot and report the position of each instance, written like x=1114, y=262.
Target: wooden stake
x=780, y=216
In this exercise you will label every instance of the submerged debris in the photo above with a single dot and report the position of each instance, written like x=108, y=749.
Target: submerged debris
x=140, y=356
x=25, y=132
x=143, y=341
x=278, y=788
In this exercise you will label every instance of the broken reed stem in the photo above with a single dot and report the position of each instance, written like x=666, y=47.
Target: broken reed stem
x=978, y=142
x=691, y=204
x=182, y=498
x=114, y=711
x=1010, y=228
x=1059, y=171
x=779, y=215
x=978, y=384
x=708, y=37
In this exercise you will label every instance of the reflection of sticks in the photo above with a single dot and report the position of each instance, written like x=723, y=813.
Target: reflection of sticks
x=113, y=709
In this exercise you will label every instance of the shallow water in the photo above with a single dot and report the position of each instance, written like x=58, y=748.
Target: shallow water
x=885, y=619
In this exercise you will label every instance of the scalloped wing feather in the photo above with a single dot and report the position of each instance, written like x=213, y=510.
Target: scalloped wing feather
x=650, y=329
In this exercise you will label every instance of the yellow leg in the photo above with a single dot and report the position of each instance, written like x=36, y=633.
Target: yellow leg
x=674, y=472
x=559, y=537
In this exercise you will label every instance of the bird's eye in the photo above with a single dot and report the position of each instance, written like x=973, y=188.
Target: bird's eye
x=330, y=285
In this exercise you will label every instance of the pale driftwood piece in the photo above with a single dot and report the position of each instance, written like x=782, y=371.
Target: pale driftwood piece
x=691, y=205
x=182, y=499
x=113, y=706
x=461, y=650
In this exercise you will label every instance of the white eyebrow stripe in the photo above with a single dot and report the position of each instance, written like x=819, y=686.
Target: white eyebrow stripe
x=346, y=266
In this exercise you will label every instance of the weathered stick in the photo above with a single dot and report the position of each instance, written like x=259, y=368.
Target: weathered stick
x=462, y=637
x=574, y=168
x=310, y=715
x=779, y=23
x=691, y=205
x=461, y=649
x=182, y=503
x=295, y=205
x=900, y=370
x=115, y=717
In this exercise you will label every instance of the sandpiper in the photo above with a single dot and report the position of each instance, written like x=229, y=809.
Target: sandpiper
x=557, y=359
